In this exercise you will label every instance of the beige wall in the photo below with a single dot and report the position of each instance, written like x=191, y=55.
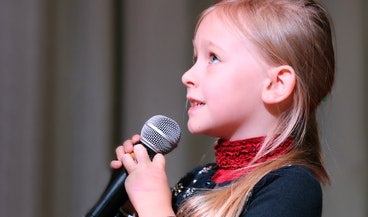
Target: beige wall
x=344, y=117
x=60, y=110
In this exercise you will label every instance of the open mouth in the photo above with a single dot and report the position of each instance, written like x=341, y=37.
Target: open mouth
x=195, y=103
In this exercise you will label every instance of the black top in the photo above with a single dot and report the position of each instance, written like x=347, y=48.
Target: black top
x=291, y=191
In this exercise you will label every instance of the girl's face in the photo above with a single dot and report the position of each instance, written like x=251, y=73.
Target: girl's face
x=225, y=84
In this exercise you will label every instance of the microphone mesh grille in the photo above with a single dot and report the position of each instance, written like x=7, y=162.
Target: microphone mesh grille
x=161, y=134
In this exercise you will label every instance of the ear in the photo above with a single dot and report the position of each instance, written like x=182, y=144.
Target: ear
x=279, y=85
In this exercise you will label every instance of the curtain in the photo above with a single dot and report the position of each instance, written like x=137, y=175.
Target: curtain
x=57, y=76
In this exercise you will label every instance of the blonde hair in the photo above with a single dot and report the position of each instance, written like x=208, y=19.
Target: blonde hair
x=297, y=33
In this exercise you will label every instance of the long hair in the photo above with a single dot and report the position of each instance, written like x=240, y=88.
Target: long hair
x=297, y=33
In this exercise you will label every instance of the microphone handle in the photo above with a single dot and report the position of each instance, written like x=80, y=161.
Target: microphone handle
x=113, y=197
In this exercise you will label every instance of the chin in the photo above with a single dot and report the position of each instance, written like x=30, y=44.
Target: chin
x=194, y=129
x=200, y=130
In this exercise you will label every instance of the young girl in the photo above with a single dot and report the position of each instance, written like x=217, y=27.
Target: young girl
x=261, y=68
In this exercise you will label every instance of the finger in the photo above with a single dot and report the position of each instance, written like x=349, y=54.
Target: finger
x=141, y=154
x=127, y=146
x=129, y=162
x=116, y=164
x=136, y=138
x=119, y=151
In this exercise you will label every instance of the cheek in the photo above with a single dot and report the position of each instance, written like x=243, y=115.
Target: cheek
x=216, y=92
x=242, y=90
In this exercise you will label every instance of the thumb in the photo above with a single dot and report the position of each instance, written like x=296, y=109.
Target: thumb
x=159, y=160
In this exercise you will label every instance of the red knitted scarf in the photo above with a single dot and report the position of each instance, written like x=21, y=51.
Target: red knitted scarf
x=232, y=157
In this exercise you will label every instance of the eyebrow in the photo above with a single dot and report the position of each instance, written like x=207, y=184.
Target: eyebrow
x=210, y=44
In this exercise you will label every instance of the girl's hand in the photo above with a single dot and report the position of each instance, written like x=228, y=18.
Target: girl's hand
x=147, y=185
x=126, y=148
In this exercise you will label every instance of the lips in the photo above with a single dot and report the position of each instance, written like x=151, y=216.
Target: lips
x=195, y=104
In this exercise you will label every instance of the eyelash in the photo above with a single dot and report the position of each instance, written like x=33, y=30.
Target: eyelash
x=212, y=57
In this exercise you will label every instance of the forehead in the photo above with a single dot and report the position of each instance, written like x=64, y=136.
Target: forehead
x=234, y=18
x=217, y=26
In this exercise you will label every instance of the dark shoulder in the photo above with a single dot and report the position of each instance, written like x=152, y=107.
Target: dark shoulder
x=294, y=175
x=289, y=191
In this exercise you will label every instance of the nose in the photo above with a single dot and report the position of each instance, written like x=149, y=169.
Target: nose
x=188, y=78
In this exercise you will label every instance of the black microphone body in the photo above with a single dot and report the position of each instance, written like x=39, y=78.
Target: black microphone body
x=159, y=135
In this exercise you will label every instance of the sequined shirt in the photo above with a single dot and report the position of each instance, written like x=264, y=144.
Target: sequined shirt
x=291, y=191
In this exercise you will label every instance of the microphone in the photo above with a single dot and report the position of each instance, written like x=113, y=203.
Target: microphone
x=159, y=134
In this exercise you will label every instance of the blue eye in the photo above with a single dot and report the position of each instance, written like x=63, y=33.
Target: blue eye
x=214, y=59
